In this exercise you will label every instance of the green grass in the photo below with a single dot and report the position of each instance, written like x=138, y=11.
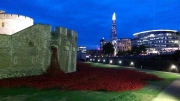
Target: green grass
x=147, y=93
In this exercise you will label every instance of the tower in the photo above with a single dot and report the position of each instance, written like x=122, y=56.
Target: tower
x=114, y=34
x=113, y=29
x=13, y=23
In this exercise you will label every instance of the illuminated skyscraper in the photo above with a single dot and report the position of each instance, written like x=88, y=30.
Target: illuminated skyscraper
x=113, y=29
x=114, y=34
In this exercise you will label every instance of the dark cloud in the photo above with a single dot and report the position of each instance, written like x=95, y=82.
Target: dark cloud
x=91, y=19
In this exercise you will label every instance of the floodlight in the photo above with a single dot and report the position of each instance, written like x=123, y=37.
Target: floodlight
x=98, y=60
x=110, y=61
x=173, y=67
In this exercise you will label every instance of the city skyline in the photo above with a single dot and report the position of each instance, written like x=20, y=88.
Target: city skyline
x=93, y=19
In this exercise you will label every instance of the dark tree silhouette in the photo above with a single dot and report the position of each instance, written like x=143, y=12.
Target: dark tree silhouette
x=176, y=55
x=142, y=48
x=108, y=49
x=138, y=50
x=134, y=50
x=121, y=53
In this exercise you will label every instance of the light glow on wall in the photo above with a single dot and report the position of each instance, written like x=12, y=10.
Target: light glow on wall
x=110, y=61
x=98, y=60
x=132, y=63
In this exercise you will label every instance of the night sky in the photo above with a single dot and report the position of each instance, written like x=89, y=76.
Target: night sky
x=92, y=19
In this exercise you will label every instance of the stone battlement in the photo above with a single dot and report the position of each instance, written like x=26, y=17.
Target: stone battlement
x=65, y=31
x=15, y=16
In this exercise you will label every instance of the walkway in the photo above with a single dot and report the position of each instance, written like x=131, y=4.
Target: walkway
x=171, y=93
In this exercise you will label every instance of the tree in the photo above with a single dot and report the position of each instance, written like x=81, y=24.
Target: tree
x=138, y=50
x=134, y=50
x=121, y=53
x=142, y=48
x=176, y=55
x=108, y=48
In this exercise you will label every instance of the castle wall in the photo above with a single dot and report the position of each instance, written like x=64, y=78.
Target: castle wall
x=12, y=23
x=66, y=40
x=5, y=51
x=72, y=35
x=30, y=52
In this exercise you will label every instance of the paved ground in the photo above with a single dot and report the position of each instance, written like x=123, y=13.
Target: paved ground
x=171, y=93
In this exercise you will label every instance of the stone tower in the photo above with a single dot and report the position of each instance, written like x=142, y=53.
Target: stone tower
x=12, y=23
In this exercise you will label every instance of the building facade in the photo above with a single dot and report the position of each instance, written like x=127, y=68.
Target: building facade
x=81, y=53
x=157, y=40
x=102, y=43
x=82, y=49
x=124, y=44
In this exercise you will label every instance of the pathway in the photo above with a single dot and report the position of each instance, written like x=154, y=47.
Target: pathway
x=171, y=93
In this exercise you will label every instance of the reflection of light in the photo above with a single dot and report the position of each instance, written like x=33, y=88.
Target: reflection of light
x=110, y=61
x=93, y=59
x=90, y=59
x=120, y=62
x=98, y=60
x=132, y=63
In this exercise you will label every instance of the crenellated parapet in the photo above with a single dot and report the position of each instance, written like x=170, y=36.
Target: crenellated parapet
x=15, y=16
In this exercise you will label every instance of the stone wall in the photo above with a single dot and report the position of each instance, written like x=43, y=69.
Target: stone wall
x=66, y=42
x=28, y=52
x=5, y=51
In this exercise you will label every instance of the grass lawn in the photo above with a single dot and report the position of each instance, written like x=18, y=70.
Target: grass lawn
x=147, y=93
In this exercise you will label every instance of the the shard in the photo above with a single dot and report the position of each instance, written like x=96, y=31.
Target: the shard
x=113, y=28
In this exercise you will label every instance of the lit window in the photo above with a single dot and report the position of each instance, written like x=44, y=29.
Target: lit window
x=2, y=24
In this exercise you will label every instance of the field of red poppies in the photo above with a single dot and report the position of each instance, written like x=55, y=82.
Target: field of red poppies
x=86, y=78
